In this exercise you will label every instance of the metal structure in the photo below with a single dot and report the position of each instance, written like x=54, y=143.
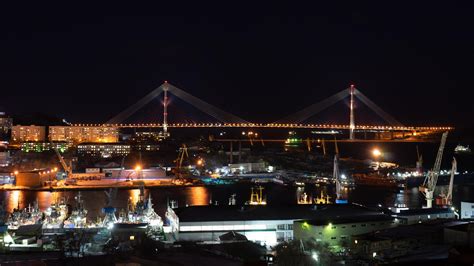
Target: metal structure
x=183, y=151
x=335, y=176
x=67, y=168
x=419, y=162
x=431, y=178
x=454, y=168
x=446, y=199
x=294, y=121
x=351, y=118
x=165, y=112
x=340, y=199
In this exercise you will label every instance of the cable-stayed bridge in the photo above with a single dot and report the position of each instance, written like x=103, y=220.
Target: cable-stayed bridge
x=294, y=121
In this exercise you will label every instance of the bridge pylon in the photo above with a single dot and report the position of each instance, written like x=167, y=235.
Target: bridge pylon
x=351, y=119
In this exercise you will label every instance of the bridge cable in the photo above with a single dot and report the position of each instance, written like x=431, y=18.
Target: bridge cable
x=313, y=109
x=388, y=118
x=204, y=106
x=135, y=107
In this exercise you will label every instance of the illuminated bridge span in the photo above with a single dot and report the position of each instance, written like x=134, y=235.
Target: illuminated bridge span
x=271, y=125
x=294, y=121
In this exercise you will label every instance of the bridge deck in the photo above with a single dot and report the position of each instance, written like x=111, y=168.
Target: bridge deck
x=261, y=125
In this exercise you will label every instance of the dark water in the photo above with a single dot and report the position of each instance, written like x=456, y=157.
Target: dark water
x=200, y=195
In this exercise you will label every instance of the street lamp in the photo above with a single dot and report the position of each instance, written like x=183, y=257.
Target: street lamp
x=376, y=152
x=138, y=169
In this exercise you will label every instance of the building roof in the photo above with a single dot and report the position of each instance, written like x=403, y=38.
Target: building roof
x=419, y=230
x=426, y=211
x=463, y=227
x=325, y=220
x=286, y=212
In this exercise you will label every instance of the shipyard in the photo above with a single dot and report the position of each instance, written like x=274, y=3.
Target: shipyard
x=309, y=134
x=82, y=192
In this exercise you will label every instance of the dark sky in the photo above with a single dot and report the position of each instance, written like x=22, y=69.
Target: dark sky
x=258, y=61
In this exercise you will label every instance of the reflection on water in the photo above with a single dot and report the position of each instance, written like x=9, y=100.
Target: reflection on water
x=134, y=195
x=198, y=196
x=44, y=199
x=14, y=200
x=94, y=200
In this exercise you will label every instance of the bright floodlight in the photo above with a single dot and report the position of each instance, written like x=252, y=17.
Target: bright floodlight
x=376, y=152
x=138, y=168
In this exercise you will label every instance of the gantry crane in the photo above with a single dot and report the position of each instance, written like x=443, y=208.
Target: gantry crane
x=431, y=178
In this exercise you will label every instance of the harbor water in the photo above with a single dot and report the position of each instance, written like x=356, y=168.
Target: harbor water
x=95, y=200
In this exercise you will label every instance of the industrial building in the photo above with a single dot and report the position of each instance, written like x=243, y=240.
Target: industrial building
x=103, y=150
x=268, y=225
x=337, y=224
x=467, y=210
x=80, y=134
x=242, y=168
x=135, y=174
x=413, y=216
x=28, y=133
x=36, y=178
x=460, y=234
x=404, y=243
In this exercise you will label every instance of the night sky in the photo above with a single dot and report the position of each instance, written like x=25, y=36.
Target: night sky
x=258, y=61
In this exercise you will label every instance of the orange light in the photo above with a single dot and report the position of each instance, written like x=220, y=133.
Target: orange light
x=138, y=168
x=15, y=172
x=376, y=152
x=199, y=162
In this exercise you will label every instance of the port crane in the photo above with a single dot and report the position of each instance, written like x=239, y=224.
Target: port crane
x=419, y=162
x=67, y=168
x=447, y=199
x=431, y=178
x=182, y=153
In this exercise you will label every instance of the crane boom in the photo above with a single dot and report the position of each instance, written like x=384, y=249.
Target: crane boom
x=335, y=175
x=66, y=167
x=449, y=196
x=431, y=178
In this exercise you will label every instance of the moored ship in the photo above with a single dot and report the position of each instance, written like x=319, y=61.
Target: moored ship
x=460, y=149
x=139, y=214
x=27, y=216
x=375, y=180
